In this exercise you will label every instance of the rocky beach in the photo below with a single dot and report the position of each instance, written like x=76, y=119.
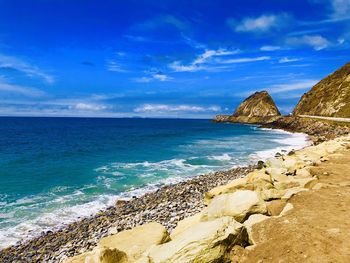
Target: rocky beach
x=167, y=206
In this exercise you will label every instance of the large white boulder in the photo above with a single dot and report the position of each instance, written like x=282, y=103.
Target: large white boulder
x=204, y=242
x=239, y=205
x=136, y=241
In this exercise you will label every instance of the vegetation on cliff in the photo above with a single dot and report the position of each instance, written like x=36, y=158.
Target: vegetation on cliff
x=330, y=97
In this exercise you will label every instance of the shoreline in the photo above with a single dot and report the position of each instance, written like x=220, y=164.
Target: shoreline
x=83, y=233
x=165, y=205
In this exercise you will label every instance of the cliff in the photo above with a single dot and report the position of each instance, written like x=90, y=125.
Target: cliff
x=330, y=97
x=257, y=108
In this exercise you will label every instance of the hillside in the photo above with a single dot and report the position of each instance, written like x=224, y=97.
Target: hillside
x=330, y=97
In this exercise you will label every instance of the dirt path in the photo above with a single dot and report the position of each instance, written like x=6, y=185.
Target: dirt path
x=316, y=230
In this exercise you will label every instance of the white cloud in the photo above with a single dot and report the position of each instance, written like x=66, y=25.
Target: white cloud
x=301, y=85
x=203, y=58
x=262, y=23
x=114, y=66
x=161, y=77
x=154, y=77
x=288, y=60
x=161, y=108
x=24, y=67
x=89, y=107
x=201, y=61
x=270, y=48
x=244, y=60
x=317, y=42
x=21, y=90
x=178, y=67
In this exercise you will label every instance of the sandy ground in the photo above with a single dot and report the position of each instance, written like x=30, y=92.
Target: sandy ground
x=316, y=230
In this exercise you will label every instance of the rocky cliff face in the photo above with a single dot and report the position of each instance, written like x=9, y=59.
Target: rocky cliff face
x=329, y=97
x=257, y=108
x=260, y=104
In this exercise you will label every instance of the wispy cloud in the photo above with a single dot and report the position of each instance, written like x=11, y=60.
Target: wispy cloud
x=201, y=61
x=163, y=108
x=113, y=66
x=153, y=76
x=288, y=60
x=244, y=60
x=307, y=32
x=339, y=12
x=300, y=85
x=317, y=42
x=10, y=62
x=261, y=23
x=193, y=43
x=20, y=90
x=270, y=48
x=89, y=107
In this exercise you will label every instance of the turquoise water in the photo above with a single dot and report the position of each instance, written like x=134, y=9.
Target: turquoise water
x=55, y=170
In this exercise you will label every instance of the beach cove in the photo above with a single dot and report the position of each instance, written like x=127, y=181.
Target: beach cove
x=165, y=206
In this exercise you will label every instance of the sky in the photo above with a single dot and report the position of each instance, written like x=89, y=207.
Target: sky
x=182, y=59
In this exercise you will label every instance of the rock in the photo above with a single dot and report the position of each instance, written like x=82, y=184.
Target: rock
x=286, y=209
x=237, y=184
x=106, y=255
x=100, y=255
x=252, y=220
x=292, y=191
x=304, y=172
x=185, y=224
x=136, y=241
x=259, y=104
x=271, y=194
x=222, y=118
x=259, y=180
x=275, y=207
x=239, y=205
x=260, y=165
x=204, y=242
x=257, y=108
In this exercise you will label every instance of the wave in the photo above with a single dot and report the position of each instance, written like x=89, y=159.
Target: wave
x=63, y=205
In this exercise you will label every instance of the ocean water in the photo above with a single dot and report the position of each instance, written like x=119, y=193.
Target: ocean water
x=56, y=170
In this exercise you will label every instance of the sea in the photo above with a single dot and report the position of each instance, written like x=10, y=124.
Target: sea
x=56, y=170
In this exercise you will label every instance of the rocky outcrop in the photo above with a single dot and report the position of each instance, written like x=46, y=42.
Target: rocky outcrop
x=260, y=104
x=318, y=130
x=257, y=108
x=330, y=97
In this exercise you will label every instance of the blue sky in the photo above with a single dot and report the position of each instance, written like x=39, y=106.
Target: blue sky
x=164, y=58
